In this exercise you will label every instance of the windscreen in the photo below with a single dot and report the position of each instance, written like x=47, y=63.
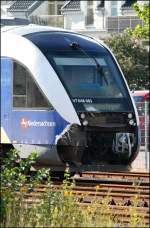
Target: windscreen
x=87, y=71
x=83, y=78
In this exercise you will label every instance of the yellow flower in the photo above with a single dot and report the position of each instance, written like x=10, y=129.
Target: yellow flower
x=97, y=187
x=66, y=193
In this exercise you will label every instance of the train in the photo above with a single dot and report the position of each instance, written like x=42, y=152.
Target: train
x=63, y=95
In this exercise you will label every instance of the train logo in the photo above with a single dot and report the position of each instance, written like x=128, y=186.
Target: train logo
x=28, y=123
x=24, y=122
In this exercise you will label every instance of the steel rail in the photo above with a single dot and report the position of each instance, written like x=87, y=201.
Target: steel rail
x=88, y=196
x=122, y=175
x=98, y=180
x=102, y=187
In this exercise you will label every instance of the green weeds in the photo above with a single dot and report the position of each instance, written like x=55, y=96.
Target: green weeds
x=57, y=208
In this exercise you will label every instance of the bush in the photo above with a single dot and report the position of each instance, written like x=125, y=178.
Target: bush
x=133, y=59
x=58, y=207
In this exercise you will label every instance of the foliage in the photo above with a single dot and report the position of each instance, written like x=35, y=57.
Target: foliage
x=143, y=13
x=15, y=175
x=133, y=59
x=58, y=207
x=15, y=171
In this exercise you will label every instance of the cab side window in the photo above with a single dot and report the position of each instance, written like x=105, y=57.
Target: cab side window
x=26, y=94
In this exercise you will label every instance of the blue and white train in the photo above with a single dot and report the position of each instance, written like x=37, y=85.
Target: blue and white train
x=64, y=96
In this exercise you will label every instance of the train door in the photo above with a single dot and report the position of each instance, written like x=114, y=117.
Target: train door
x=34, y=120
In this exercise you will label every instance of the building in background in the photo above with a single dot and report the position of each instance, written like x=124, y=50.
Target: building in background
x=99, y=18
x=38, y=12
x=95, y=18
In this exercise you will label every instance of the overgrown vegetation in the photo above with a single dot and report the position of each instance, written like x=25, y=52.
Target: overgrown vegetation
x=143, y=12
x=133, y=59
x=15, y=171
x=57, y=208
x=130, y=52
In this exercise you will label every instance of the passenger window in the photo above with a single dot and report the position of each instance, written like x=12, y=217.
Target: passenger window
x=26, y=94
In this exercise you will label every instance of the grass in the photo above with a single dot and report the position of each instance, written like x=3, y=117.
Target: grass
x=61, y=209
x=56, y=208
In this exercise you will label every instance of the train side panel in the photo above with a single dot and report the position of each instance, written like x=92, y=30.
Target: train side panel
x=6, y=99
x=36, y=127
x=25, y=126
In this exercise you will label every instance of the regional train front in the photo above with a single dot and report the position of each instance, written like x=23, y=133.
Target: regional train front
x=90, y=117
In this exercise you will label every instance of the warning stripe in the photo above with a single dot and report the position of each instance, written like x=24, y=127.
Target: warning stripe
x=4, y=136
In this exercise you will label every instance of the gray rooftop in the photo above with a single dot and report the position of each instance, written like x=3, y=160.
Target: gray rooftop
x=27, y=5
x=72, y=5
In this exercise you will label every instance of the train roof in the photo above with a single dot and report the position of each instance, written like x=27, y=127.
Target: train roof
x=32, y=28
x=27, y=29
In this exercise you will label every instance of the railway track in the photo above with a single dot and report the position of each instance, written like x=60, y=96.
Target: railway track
x=117, y=176
x=122, y=187
x=122, y=190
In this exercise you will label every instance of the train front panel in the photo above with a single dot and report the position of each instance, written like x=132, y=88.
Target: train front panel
x=109, y=126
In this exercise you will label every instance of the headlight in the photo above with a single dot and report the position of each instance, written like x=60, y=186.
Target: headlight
x=130, y=115
x=85, y=123
x=82, y=115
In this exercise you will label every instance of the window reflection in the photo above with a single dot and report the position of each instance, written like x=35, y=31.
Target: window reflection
x=26, y=94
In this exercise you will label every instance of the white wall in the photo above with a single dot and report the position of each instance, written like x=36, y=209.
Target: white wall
x=41, y=10
x=3, y=12
x=108, y=8
x=99, y=19
x=4, y=8
x=17, y=14
x=74, y=20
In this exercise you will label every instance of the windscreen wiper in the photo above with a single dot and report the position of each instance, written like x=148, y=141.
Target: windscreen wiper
x=99, y=68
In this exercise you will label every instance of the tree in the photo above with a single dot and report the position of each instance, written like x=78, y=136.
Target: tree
x=133, y=59
x=143, y=13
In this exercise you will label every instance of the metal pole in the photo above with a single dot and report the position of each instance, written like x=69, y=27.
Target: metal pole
x=146, y=133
